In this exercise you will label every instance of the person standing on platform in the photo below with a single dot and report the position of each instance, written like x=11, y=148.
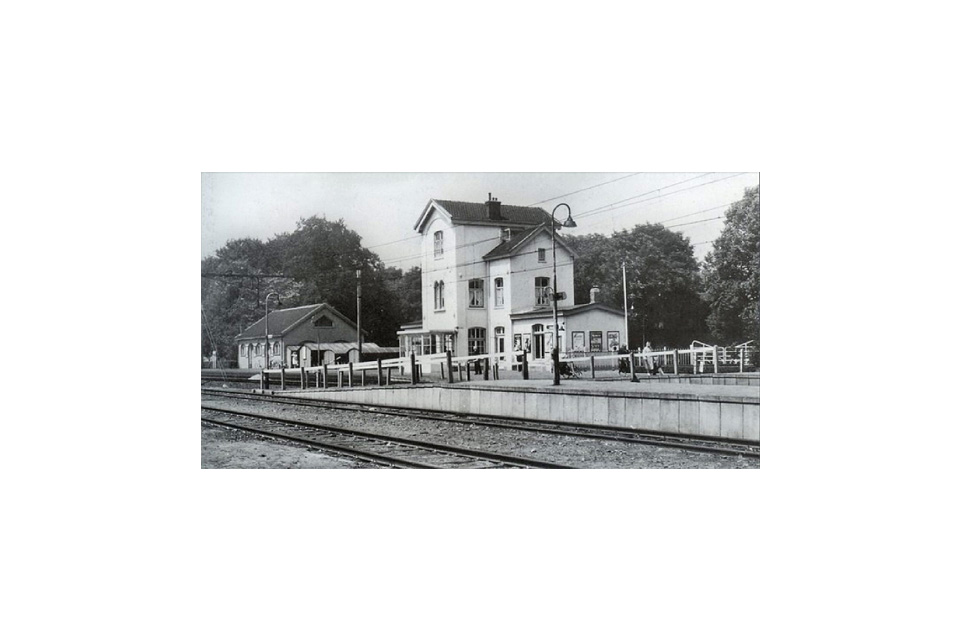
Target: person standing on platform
x=650, y=361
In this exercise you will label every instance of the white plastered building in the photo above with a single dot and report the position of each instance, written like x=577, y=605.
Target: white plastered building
x=487, y=281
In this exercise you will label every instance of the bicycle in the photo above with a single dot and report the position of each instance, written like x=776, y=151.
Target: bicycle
x=569, y=370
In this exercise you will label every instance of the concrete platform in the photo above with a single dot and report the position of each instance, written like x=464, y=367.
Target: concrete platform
x=713, y=411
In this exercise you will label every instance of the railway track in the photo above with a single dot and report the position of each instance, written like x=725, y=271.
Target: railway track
x=701, y=445
x=388, y=451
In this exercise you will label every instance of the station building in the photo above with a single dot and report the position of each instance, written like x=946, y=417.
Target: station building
x=303, y=336
x=487, y=286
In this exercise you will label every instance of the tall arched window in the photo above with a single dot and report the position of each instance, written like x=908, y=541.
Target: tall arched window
x=243, y=349
x=276, y=348
x=438, y=244
x=498, y=292
x=438, y=301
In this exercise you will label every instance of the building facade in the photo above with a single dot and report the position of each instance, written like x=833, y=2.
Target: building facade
x=487, y=274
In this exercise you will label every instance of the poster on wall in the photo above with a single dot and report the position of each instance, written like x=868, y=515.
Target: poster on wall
x=578, y=338
x=613, y=340
x=596, y=341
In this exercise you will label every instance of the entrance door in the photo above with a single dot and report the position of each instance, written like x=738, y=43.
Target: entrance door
x=538, y=342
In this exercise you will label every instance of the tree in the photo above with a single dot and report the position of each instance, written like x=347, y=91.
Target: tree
x=732, y=273
x=319, y=260
x=663, y=282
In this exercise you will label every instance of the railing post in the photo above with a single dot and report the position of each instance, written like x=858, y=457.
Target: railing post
x=496, y=370
x=318, y=377
x=716, y=362
x=379, y=372
x=633, y=368
x=283, y=378
x=449, y=366
x=389, y=371
x=363, y=377
x=413, y=368
x=303, y=378
x=526, y=366
x=486, y=368
x=264, y=380
x=676, y=362
x=593, y=371
x=350, y=370
x=741, y=359
x=324, y=375
x=339, y=378
x=469, y=364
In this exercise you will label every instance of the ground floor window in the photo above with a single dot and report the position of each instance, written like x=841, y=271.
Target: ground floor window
x=476, y=340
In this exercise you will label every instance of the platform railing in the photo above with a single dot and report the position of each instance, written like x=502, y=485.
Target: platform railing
x=452, y=368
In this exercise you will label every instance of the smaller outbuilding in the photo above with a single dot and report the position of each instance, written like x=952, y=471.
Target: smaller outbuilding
x=303, y=336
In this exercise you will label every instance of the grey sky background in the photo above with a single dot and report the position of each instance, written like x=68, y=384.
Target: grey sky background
x=383, y=207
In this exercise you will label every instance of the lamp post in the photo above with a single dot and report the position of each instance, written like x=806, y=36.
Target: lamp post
x=266, y=327
x=569, y=224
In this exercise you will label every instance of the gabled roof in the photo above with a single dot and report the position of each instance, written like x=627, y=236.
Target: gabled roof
x=283, y=320
x=476, y=213
x=520, y=239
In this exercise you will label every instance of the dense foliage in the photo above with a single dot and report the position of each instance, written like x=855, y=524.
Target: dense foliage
x=663, y=282
x=319, y=261
x=732, y=274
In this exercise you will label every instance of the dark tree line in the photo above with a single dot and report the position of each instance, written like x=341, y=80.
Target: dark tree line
x=319, y=262
x=671, y=299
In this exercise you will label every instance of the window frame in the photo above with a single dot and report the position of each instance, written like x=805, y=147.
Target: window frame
x=541, y=255
x=498, y=292
x=540, y=291
x=477, y=336
x=476, y=294
x=439, y=301
x=438, y=245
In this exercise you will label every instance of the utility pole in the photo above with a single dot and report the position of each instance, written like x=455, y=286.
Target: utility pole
x=359, y=335
x=626, y=324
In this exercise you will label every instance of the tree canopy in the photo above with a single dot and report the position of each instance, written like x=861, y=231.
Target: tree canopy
x=319, y=260
x=663, y=282
x=732, y=273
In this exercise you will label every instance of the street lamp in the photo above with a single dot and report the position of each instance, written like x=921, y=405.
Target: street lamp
x=266, y=328
x=569, y=224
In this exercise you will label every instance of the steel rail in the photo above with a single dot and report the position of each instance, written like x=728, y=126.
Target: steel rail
x=732, y=448
x=417, y=444
x=360, y=455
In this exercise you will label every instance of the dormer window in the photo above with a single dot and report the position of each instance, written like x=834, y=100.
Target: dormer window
x=438, y=244
x=541, y=255
x=505, y=234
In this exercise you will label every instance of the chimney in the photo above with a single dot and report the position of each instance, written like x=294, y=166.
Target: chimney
x=493, y=208
x=594, y=292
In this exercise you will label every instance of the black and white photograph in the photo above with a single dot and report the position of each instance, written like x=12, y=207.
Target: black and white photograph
x=480, y=320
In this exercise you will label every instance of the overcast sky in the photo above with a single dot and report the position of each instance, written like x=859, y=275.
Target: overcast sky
x=383, y=207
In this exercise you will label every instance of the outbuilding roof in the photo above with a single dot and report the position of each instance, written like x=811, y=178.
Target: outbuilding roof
x=565, y=311
x=283, y=320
